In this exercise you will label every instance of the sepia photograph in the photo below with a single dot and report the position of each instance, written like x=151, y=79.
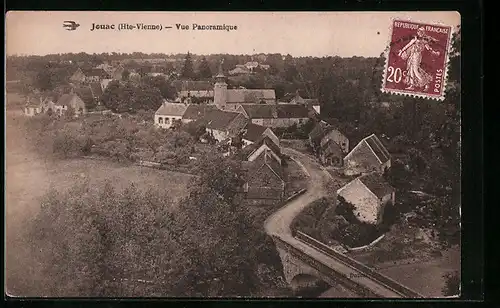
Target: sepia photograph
x=233, y=154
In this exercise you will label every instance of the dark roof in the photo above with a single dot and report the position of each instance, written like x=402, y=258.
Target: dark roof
x=262, y=111
x=195, y=112
x=266, y=159
x=378, y=148
x=65, y=99
x=218, y=119
x=85, y=93
x=330, y=147
x=319, y=131
x=188, y=85
x=95, y=72
x=249, y=95
x=253, y=132
x=288, y=97
x=376, y=184
x=249, y=149
x=96, y=89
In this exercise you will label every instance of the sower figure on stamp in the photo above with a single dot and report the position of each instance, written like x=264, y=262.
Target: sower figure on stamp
x=415, y=75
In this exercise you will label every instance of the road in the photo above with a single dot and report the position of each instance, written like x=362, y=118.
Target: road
x=278, y=224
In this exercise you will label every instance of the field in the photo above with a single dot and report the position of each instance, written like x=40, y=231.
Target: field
x=28, y=177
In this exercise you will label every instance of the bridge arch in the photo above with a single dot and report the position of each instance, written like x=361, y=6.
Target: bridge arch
x=307, y=283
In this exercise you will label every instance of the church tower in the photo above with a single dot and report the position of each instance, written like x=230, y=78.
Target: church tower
x=220, y=89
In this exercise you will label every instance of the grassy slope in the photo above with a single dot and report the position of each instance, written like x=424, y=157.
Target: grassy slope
x=28, y=177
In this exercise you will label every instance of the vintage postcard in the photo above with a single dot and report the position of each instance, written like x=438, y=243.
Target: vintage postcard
x=233, y=154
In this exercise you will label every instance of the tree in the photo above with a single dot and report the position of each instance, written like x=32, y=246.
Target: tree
x=187, y=69
x=204, y=69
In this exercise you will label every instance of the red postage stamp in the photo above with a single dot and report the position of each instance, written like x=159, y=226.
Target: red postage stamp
x=417, y=60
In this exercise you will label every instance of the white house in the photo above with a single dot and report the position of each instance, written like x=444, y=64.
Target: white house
x=168, y=113
x=367, y=156
x=369, y=194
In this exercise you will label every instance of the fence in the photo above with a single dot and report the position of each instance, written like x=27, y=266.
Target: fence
x=378, y=239
x=363, y=269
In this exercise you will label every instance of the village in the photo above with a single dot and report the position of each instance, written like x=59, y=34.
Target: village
x=170, y=121
x=244, y=119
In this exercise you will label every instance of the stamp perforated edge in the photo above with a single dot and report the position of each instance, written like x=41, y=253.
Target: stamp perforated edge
x=439, y=97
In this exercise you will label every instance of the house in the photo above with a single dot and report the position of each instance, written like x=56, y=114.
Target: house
x=336, y=136
x=330, y=153
x=275, y=115
x=253, y=133
x=265, y=143
x=230, y=99
x=367, y=156
x=188, y=85
x=223, y=124
x=196, y=112
x=90, y=94
x=67, y=101
x=169, y=113
x=317, y=134
x=264, y=178
x=369, y=194
x=32, y=108
x=36, y=105
x=199, y=96
x=89, y=75
x=297, y=98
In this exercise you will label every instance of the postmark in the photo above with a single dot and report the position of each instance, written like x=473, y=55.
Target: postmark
x=417, y=59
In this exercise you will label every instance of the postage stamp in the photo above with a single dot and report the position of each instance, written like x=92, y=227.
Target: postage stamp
x=417, y=59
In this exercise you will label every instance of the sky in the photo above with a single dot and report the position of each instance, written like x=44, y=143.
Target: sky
x=343, y=34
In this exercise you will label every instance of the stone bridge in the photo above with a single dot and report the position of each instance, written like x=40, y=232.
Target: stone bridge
x=304, y=265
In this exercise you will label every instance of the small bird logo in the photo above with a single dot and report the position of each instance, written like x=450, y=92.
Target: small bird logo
x=70, y=25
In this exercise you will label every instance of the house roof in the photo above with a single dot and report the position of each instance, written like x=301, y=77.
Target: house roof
x=319, y=130
x=330, y=147
x=95, y=72
x=65, y=99
x=196, y=93
x=253, y=132
x=266, y=159
x=195, y=112
x=249, y=149
x=218, y=119
x=311, y=101
x=378, y=148
x=249, y=95
x=376, y=184
x=263, y=111
x=188, y=85
x=85, y=93
x=375, y=146
x=171, y=109
x=96, y=89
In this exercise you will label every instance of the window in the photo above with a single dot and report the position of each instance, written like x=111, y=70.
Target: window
x=160, y=120
x=301, y=121
x=167, y=120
